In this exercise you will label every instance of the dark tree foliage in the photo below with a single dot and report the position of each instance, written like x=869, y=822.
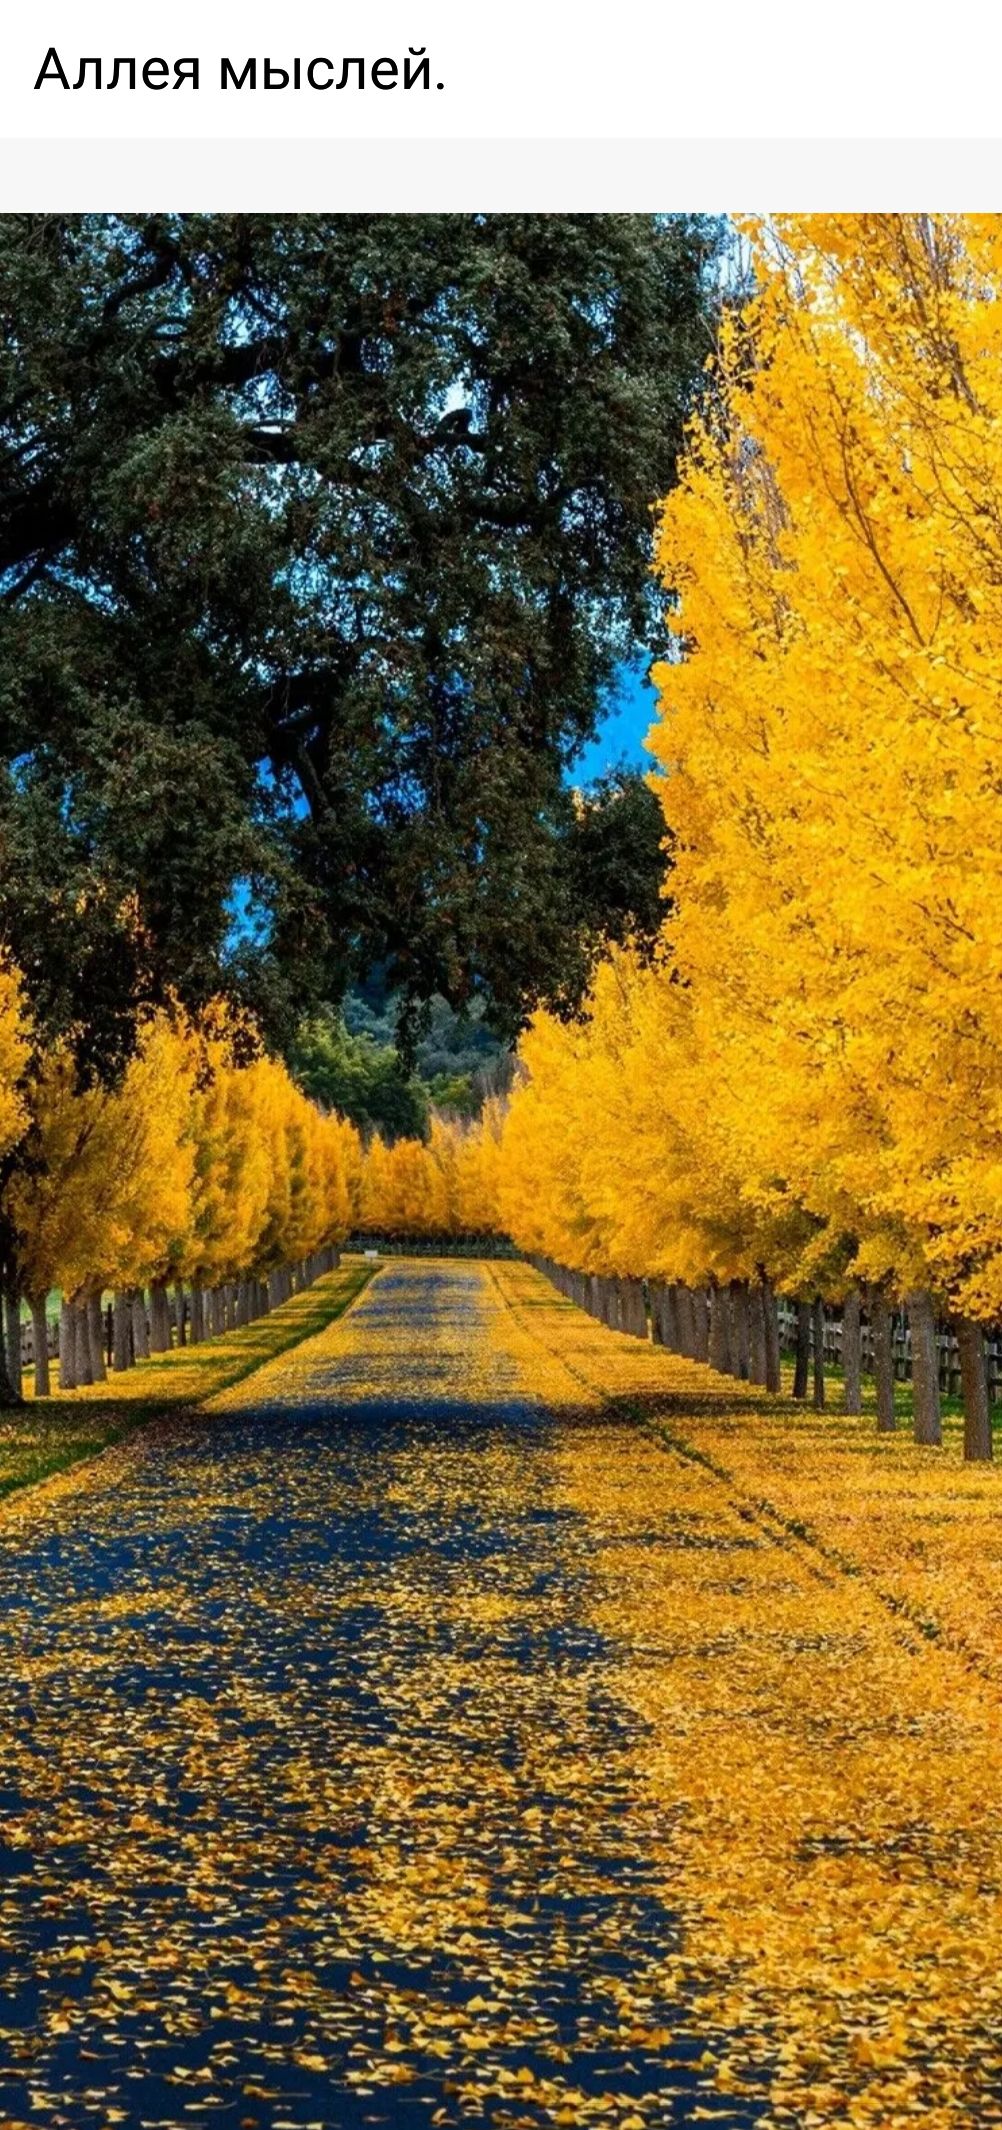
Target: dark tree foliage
x=362, y=1079
x=615, y=860
x=320, y=540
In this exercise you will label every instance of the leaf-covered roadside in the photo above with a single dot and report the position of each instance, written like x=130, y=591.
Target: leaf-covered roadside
x=809, y=1642
x=51, y=1435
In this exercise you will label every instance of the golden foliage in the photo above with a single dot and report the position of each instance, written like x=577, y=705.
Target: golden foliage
x=196, y=1165
x=445, y=1185
x=804, y=1631
x=809, y=1077
x=609, y=1771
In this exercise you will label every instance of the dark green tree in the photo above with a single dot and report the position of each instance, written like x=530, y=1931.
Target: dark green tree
x=320, y=540
x=364, y=1080
x=614, y=863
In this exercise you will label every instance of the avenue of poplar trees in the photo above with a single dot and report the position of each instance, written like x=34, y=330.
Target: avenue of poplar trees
x=796, y=1090
x=204, y=1170
x=800, y=1091
x=322, y=539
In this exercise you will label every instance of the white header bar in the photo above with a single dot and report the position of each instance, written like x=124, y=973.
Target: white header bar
x=777, y=71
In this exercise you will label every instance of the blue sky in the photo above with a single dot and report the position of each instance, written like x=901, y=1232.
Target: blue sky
x=620, y=736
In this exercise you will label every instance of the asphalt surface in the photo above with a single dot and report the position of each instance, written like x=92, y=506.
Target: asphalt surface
x=319, y=1803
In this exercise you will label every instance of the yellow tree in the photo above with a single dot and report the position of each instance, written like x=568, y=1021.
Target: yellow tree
x=15, y=1053
x=404, y=1189
x=105, y=1190
x=830, y=739
x=476, y=1170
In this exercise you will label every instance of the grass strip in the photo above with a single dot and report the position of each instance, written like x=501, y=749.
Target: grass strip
x=49, y=1435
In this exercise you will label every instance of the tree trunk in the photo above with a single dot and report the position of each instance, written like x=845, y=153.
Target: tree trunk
x=974, y=1379
x=180, y=1300
x=160, y=1338
x=720, y=1331
x=818, y=1344
x=657, y=1294
x=637, y=1308
x=121, y=1310
x=12, y=1341
x=802, y=1360
x=7, y=1389
x=928, y=1426
x=883, y=1360
x=81, y=1334
x=94, y=1319
x=740, y=1330
x=67, y=1346
x=758, y=1359
x=773, y=1357
x=669, y=1317
x=40, y=1341
x=700, y=1306
x=852, y=1354
x=140, y=1325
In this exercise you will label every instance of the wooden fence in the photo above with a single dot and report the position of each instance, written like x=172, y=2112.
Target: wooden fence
x=176, y=1304
x=433, y=1245
x=630, y=1305
x=947, y=1348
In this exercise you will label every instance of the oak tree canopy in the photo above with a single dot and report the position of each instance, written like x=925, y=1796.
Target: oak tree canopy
x=321, y=539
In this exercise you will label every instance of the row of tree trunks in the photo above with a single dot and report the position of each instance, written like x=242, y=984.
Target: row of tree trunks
x=736, y=1329
x=137, y=1329
x=742, y=1329
x=81, y=1342
x=809, y=1358
x=926, y=1398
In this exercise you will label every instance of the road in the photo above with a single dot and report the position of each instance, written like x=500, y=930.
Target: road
x=321, y=1801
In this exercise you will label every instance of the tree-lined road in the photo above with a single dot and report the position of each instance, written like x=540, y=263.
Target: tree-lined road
x=422, y=1736
x=322, y=1805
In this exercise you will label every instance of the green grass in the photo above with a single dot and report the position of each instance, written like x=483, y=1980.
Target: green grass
x=904, y=1405
x=49, y=1435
